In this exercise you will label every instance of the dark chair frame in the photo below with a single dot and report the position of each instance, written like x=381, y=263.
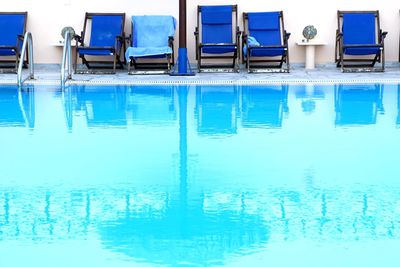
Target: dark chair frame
x=236, y=54
x=20, y=39
x=369, y=64
x=119, y=46
x=266, y=67
x=153, y=67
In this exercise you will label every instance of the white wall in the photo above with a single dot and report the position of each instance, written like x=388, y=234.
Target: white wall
x=46, y=18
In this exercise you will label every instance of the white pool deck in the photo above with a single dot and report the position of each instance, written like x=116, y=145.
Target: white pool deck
x=50, y=75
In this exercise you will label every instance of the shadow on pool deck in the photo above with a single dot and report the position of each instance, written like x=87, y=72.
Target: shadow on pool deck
x=50, y=74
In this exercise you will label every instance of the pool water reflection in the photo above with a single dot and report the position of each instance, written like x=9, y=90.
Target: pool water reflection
x=200, y=176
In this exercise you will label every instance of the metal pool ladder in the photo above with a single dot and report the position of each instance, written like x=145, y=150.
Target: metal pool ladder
x=66, y=59
x=27, y=42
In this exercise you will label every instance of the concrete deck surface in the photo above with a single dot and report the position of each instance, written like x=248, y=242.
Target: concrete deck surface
x=50, y=75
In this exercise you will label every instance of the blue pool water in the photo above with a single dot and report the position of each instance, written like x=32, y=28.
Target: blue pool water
x=292, y=175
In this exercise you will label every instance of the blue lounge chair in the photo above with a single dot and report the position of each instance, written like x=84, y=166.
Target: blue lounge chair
x=265, y=37
x=360, y=39
x=219, y=38
x=152, y=38
x=107, y=38
x=12, y=29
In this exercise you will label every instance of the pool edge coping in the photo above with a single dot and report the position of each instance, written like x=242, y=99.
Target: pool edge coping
x=208, y=82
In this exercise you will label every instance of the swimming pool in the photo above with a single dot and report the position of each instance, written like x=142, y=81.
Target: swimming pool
x=277, y=175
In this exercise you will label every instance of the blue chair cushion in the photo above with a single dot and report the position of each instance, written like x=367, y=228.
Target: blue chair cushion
x=264, y=21
x=95, y=52
x=362, y=51
x=152, y=31
x=359, y=28
x=7, y=52
x=11, y=25
x=105, y=29
x=265, y=27
x=267, y=52
x=154, y=56
x=215, y=49
x=214, y=15
x=216, y=24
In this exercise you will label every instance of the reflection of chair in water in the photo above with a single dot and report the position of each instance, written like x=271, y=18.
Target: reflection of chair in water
x=17, y=108
x=103, y=106
x=357, y=104
x=264, y=106
x=308, y=95
x=152, y=104
x=216, y=109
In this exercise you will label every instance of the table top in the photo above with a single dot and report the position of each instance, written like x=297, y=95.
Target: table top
x=312, y=42
x=61, y=43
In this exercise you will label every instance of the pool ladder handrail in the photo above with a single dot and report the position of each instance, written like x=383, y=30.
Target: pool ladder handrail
x=27, y=42
x=66, y=58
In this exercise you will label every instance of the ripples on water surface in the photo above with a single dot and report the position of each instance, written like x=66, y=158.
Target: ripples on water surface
x=200, y=176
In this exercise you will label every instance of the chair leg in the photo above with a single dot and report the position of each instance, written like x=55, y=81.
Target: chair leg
x=84, y=61
x=115, y=63
x=341, y=57
x=234, y=61
x=16, y=62
x=375, y=59
x=168, y=62
x=199, y=61
x=248, y=60
x=281, y=63
x=75, y=61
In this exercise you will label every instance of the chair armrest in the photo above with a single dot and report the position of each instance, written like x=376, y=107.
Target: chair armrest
x=286, y=37
x=79, y=38
x=20, y=39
